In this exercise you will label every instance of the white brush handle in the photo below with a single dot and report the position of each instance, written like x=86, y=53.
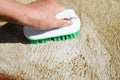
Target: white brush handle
x=68, y=14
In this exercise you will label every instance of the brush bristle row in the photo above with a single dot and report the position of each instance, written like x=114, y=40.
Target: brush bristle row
x=58, y=38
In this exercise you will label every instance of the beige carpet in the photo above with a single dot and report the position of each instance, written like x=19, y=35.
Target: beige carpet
x=94, y=55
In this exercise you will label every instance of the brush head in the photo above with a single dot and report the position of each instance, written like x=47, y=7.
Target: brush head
x=56, y=34
x=55, y=39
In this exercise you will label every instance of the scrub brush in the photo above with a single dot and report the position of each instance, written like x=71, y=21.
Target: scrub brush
x=57, y=34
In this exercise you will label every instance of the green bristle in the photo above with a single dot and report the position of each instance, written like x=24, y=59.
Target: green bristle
x=49, y=39
x=62, y=38
x=54, y=39
x=67, y=37
x=58, y=38
x=33, y=41
x=44, y=41
x=39, y=41
x=71, y=36
x=75, y=35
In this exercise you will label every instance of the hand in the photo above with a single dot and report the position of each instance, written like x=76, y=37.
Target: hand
x=41, y=15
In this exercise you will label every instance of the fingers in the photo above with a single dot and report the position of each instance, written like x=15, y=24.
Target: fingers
x=60, y=9
x=61, y=23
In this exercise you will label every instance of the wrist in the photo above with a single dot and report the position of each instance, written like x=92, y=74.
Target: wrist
x=19, y=13
x=13, y=12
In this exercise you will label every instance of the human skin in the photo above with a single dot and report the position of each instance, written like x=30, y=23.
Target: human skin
x=38, y=15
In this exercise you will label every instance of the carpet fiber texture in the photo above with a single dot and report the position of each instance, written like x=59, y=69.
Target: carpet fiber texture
x=94, y=55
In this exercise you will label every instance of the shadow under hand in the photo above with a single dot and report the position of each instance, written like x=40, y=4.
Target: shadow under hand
x=12, y=33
